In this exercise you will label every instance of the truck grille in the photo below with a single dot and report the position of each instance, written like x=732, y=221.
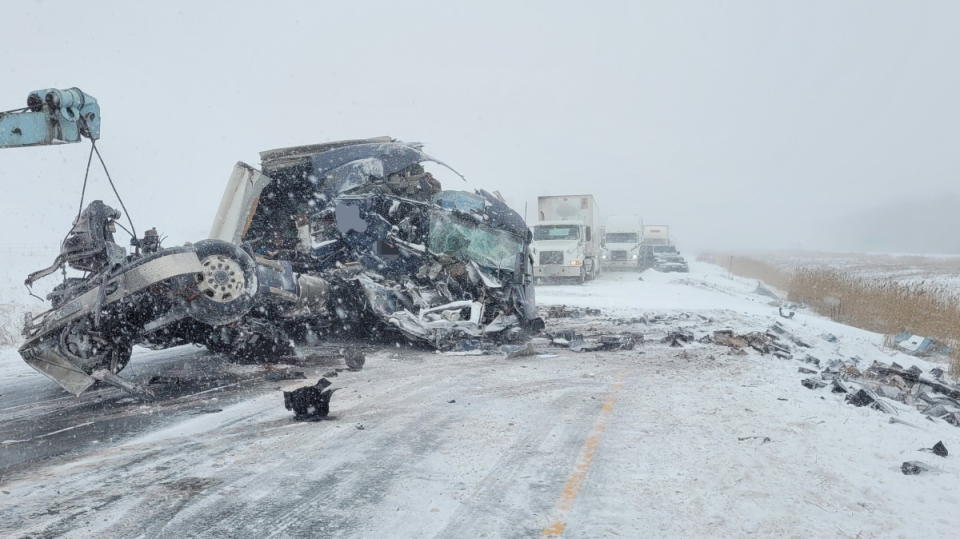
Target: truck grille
x=551, y=257
x=618, y=255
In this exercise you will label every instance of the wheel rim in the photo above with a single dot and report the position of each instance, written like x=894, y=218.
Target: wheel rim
x=222, y=279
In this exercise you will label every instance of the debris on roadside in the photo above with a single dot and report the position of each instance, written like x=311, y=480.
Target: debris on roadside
x=678, y=337
x=917, y=345
x=285, y=374
x=564, y=311
x=913, y=467
x=354, y=358
x=309, y=403
x=512, y=351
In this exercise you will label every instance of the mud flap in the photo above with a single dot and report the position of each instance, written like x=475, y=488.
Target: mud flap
x=56, y=367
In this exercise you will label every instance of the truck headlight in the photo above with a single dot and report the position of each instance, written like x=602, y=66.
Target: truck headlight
x=575, y=262
x=634, y=257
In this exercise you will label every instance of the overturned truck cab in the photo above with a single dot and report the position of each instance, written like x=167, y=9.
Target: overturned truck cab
x=351, y=237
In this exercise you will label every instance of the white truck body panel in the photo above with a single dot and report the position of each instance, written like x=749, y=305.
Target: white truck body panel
x=656, y=234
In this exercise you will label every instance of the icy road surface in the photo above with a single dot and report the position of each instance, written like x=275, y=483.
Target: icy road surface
x=659, y=441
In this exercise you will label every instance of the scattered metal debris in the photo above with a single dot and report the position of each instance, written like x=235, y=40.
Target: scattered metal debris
x=678, y=337
x=354, y=358
x=285, y=374
x=913, y=467
x=564, y=311
x=310, y=403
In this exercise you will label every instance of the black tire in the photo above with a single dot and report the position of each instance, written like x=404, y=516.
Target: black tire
x=217, y=312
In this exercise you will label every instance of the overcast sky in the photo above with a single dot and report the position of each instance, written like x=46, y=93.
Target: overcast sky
x=742, y=124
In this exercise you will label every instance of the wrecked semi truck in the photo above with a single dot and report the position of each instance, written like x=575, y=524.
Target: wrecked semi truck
x=621, y=243
x=566, y=238
x=352, y=237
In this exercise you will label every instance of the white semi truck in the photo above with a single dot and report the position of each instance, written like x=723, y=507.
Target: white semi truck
x=566, y=238
x=621, y=240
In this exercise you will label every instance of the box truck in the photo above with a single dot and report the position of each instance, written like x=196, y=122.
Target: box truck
x=566, y=238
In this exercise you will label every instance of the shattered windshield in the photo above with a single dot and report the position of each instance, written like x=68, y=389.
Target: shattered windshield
x=486, y=246
x=622, y=237
x=556, y=232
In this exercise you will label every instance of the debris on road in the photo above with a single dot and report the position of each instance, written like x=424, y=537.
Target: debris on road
x=284, y=374
x=310, y=403
x=564, y=311
x=913, y=467
x=678, y=337
x=939, y=449
x=354, y=358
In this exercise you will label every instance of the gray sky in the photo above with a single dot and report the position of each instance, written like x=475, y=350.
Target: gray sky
x=742, y=124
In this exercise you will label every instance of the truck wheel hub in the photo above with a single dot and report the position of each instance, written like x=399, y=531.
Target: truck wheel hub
x=222, y=279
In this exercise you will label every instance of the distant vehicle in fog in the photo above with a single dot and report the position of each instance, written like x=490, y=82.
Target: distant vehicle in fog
x=566, y=239
x=653, y=239
x=621, y=243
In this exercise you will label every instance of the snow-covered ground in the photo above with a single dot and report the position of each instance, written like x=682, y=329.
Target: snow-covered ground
x=659, y=441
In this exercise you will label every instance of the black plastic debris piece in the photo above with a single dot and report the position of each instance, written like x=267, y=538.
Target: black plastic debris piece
x=839, y=386
x=452, y=401
x=285, y=374
x=354, y=358
x=811, y=360
x=804, y=370
x=937, y=373
x=330, y=374
x=953, y=418
x=860, y=398
x=813, y=383
x=165, y=380
x=940, y=450
x=309, y=403
x=913, y=467
x=677, y=337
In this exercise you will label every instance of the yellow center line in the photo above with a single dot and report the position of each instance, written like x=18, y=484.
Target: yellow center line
x=575, y=481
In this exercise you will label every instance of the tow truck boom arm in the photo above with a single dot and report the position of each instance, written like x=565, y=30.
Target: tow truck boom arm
x=51, y=117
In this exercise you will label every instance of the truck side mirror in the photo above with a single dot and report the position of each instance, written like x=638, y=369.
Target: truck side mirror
x=588, y=233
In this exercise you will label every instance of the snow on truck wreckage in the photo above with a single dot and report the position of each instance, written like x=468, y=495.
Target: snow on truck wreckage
x=351, y=237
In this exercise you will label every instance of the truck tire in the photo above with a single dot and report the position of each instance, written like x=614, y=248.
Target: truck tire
x=227, y=285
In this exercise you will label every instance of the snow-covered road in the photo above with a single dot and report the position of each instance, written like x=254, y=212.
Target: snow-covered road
x=657, y=441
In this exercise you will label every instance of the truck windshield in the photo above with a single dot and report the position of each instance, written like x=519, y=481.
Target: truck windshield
x=621, y=237
x=556, y=232
x=486, y=246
